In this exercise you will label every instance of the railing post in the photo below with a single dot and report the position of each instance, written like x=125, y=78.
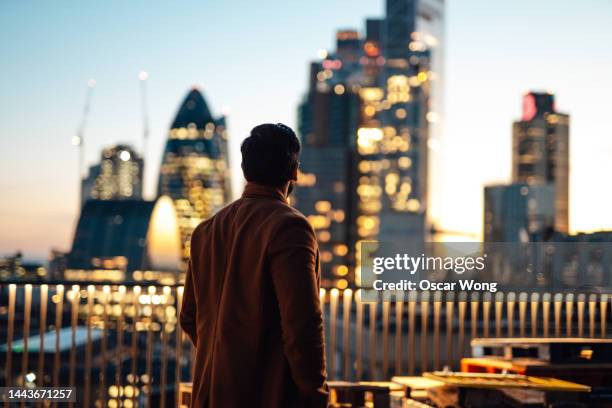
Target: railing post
x=603, y=312
x=74, y=316
x=88, y=351
x=333, y=317
x=359, y=334
x=347, y=299
x=592, y=311
x=557, y=308
x=44, y=296
x=499, y=304
x=486, y=314
x=149, y=356
x=59, y=306
x=10, y=333
x=474, y=315
x=136, y=290
x=510, y=300
x=104, y=344
x=164, y=334
x=546, y=314
x=522, y=313
x=120, y=329
x=399, y=310
x=411, y=332
x=461, y=316
x=385, y=337
x=179, y=344
x=581, y=302
x=372, y=352
x=424, y=327
x=534, y=314
x=437, y=304
x=569, y=313
x=450, y=307
x=26, y=329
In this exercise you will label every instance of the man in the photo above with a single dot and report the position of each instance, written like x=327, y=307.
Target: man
x=251, y=302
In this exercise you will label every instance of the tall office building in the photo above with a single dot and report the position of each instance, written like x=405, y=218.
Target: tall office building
x=541, y=151
x=430, y=30
x=364, y=130
x=535, y=205
x=118, y=176
x=194, y=170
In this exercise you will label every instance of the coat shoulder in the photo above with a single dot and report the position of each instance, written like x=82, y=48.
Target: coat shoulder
x=207, y=223
x=289, y=216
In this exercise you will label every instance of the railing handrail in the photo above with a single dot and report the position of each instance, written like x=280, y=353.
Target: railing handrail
x=85, y=283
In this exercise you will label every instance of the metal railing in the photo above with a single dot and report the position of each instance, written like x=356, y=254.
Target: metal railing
x=121, y=345
x=430, y=331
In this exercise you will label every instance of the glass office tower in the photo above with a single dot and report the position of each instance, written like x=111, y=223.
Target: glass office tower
x=194, y=169
x=364, y=130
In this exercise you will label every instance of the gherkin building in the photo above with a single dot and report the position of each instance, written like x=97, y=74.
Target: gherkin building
x=194, y=171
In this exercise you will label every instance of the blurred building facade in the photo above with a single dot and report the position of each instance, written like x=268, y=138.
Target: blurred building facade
x=118, y=176
x=536, y=204
x=541, y=151
x=117, y=240
x=364, y=130
x=519, y=212
x=194, y=170
x=586, y=260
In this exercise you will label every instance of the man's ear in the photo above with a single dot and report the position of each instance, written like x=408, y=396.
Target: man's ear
x=294, y=173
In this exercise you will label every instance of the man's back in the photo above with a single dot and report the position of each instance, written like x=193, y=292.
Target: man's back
x=251, y=306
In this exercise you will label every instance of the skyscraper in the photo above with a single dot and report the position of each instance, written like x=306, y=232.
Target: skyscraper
x=118, y=176
x=535, y=204
x=430, y=30
x=194, y=169
x=541, y=151
x=364, y=130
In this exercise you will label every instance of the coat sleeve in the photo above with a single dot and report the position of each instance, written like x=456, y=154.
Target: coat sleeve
x=294, y=268
x=188, y=307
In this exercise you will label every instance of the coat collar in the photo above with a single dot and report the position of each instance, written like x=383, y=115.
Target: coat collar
x=261, y=190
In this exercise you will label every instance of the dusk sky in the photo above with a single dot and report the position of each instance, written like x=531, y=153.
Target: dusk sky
x=251, y=61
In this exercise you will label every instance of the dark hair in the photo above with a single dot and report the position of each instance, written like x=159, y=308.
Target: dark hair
x=270, y=154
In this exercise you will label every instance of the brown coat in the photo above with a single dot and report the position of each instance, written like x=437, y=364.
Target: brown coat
x=251, y=306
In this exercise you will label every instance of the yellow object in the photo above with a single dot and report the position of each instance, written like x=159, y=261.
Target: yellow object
x=477, y=380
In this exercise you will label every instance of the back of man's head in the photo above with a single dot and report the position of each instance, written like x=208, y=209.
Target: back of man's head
x=270, y=155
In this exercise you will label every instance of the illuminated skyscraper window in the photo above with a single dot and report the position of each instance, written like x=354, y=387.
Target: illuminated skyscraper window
x=194, y=169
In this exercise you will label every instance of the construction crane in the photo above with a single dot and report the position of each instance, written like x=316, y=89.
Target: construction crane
x=143, y=76
x=78, y=140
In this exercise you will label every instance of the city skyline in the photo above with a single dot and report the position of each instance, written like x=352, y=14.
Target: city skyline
x=578, y=86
